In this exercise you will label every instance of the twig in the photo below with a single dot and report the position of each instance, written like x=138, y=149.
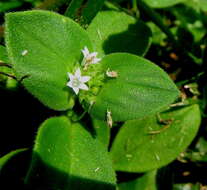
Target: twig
x=158, y=131
x=9, y=75
x=1, y=31
x=5, y=65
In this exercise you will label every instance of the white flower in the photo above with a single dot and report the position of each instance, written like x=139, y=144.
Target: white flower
x=77, y=81
x=90, y=58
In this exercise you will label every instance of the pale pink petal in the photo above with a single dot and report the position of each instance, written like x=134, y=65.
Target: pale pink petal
x=83, y=86
x=85, y=79
x=94, y=54
x=96, y=60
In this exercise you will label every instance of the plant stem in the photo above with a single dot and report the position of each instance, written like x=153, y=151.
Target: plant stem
x=1, y=31
x=135, y=8
x=8, y=75
x=5, y=65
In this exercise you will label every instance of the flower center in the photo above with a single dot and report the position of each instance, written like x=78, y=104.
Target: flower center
x=90, y=59
x=76, y=82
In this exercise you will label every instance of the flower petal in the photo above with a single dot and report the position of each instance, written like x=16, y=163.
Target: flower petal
x=78, y=73
x=93, y=54
x=85, y=79
x=69, y=84
x=85, y=51
x=96, y=60
x=83, y=86
x=71, y=76
x=76, y=90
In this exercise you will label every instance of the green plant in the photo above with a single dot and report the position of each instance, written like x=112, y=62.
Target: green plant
x=95, y=77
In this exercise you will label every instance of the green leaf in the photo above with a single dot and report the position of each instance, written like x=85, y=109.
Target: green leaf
x=199, y=154
x=140, y=89
x=203, y=5
x=9, y=156
x=102, y=131
x=113, y=31
x=6, y=70
x=73, y=9
x=150, y=145
x=190, y=18
x=162, y=3
x=91, y=9
x=66, y=156
x=198, y=4
x=84, y=11
x=44, y=46
x=145, y=182
x=3, y=55
x=158, y=36
x=13, y=168
x=5, y=6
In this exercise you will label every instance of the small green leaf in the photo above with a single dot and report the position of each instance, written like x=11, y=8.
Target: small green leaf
x=199, y=153
x=140, y=89
x=145, y=182
x=44, y=46
x=7, y=157
x=66, y=156
x=112, y=31
x=158, y=36
x=150, y=145
x=163, y=3
x=13, y=168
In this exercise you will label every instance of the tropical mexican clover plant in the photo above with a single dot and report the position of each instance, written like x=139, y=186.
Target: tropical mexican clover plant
x=67, y=67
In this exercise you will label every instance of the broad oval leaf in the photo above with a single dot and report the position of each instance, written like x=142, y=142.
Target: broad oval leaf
x=66, y=156
x=44, y=46
x=113, y=31
x=140, y=89
x=149, y=145
x=163, y=3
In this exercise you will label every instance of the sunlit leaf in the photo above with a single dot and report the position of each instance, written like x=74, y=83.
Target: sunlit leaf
x=149, y=145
